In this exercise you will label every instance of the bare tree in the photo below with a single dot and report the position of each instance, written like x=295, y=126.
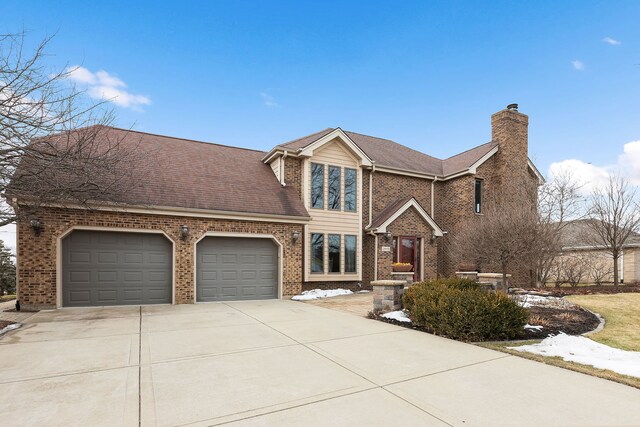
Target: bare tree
x=559, y=201
x=615, y=217
x=600, y=271
x=575, y=269
x=52, y=136
x=505, y=237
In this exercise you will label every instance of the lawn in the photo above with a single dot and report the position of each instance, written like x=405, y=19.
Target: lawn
x=557, y=361
x=622, y=316
x=4, y=298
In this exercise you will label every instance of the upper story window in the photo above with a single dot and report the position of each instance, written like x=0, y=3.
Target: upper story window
x=478, y=196
x=334, y=188
x=317, y=186
x=350, y=181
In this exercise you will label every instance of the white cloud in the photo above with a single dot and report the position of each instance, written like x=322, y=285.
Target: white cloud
x=102, y=85
x=268, y=100
x=611, y=41
x=591, y=176
x=578, y=65
x=587, y=175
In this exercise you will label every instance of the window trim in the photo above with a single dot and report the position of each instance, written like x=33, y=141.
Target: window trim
x=322, y=188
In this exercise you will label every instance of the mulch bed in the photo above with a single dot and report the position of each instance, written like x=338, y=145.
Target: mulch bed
x=571, y=321
x=574, y=321
x=588, y=290
x=4, y=323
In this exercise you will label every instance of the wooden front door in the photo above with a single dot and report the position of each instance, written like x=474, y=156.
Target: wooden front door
x=408, y=251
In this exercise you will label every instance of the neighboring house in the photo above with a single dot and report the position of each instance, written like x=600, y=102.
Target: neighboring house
x=580, y=243
x=216, y=223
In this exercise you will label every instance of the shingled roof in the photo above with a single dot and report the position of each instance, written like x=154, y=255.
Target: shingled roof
x=579, y=234
x=191, y=174
x=386, y=152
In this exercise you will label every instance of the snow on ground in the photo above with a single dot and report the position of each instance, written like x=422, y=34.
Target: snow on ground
x=527, y=301
x=319, y=293
x=587, y=352
x=537, y=328
x=399, y=316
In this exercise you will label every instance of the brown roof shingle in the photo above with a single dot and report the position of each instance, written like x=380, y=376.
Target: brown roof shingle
x=198, y=175
x=386, y=152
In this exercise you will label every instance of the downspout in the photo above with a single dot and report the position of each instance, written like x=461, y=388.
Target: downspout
x=284, y=156
x=433, y=197
x=375, y=249
x=622, y=266
x=373, y=169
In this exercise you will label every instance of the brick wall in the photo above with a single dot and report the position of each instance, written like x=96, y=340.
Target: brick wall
x=37, y=254
x=411, y=223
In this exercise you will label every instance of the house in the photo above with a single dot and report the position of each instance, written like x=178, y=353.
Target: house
x=209, y=222
x=585, y=257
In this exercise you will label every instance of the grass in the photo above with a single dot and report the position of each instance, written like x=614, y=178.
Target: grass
x=621, y=313
x=557, y=361
x=4, y=298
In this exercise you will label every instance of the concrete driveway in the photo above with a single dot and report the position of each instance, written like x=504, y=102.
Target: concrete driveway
x=279, y=363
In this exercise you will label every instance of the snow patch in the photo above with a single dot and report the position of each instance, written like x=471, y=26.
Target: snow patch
x=536, y=327
x=587, y=352
x=399, y=316
x=527, y=301
x=319, y=293
x=9, y=328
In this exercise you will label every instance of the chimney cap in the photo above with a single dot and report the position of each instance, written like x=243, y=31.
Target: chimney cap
x=513, y=107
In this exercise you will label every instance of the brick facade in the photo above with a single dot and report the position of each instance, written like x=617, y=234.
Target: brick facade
x=502, y=175
x=37, y=270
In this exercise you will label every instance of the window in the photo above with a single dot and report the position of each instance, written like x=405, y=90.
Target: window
x=334, y=188
x=478, y=196
x=350, y=181
x=334, y=253
x=317, y=253
x=349, y=254
x=317, y=186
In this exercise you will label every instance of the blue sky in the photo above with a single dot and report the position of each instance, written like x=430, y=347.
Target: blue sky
x=425, y=74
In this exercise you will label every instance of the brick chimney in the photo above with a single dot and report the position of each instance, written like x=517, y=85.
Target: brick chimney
x=509, y=128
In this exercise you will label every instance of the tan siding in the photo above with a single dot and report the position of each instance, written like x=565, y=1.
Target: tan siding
x=328, y=221
x=275, y=167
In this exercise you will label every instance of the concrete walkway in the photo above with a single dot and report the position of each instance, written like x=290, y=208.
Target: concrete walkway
x=279, y=363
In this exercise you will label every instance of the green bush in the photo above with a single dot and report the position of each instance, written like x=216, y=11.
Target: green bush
x=460, y=309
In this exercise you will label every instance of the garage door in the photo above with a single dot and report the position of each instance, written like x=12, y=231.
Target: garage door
x=112, y=268
x=233, y=268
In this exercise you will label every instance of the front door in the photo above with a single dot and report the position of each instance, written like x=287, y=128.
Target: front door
x=408, y=251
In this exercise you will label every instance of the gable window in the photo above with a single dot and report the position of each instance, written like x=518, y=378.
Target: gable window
x=317, y=253
x=334, y=253
x=334, y=188
x=317, y=186
x=478, y=196
x=349, y=254
x=350, y=181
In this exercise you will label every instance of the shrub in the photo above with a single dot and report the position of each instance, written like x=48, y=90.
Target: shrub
x=460, y=309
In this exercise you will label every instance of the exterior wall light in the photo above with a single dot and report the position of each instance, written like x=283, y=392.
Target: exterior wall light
x=184, y=231
x=295, y=236
x=36, y=225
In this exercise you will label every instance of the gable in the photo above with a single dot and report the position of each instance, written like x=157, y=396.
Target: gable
x=393, y=211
